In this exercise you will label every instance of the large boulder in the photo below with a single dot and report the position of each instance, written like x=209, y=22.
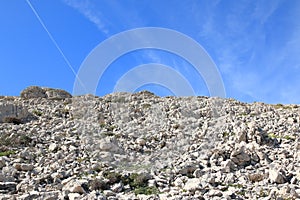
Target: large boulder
x=49, y=93
x=11, y=113
x=33, y=92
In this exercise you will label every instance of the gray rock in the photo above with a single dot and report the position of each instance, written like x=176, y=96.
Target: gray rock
x=256, y=177
x=57, y=94
x=3, y=162
x=179, y=182
x=23, y=167
x=192, y=184
x=240, y=157
x=276, y=176
x=33, y=92
x=74, y=187
x=6, y=178
x=39, y=92
x=28, y=197
x=11, y=113
x=229, y=148
x=7, y=187
x=228, y=166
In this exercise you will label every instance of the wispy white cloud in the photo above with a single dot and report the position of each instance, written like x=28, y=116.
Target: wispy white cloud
x=240, y=43
x=87, y=8
x=264, y=9
x=239, y=36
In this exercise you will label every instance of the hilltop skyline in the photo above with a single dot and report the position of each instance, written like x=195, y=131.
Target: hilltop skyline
x=254, y=44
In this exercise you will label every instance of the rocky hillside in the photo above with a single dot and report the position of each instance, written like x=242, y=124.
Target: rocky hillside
x=140, y=146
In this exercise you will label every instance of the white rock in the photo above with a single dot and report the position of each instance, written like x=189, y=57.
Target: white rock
x=53, y=147
x=214, y=192
x=141, y=141
x=74, y=187
x=117, y=187
x=276, y=176
x=178, y=182
x=74, y=196
x=192, y=184
x=227, y=165
x=108, y=193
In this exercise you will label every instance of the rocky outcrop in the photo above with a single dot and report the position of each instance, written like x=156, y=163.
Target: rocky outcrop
x=49, y=93
x=140, y=146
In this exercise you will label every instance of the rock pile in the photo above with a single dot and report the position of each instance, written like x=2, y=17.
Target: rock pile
x=140, y=146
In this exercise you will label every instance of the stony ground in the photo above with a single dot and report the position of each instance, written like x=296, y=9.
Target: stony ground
x=140, y=146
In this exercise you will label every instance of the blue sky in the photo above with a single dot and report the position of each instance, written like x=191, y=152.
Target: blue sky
x=254, y=44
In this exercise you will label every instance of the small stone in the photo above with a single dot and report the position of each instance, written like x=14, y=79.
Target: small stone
x=28, y=196
x=17, y=166
x=141, y=141
x=192, y=184
x=198, y=173
x=53, y=147
x=26, y=167
x=255, y=177
x=2, y=162
x=298, y=193
x=74, y=196
x=8, y=186
x=106, y=145
x=23, y=167
x=117, y=187
x=213, y=193
x=108, y=193
x=179, y=182
x=276, y=176
x=152, y=183
x=52, y=195
x=240, y=157
x=74, y=187
x=227, y=165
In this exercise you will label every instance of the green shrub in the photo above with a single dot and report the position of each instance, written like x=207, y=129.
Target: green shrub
x=146, y=190
x=37, y=113
x=7, y=153
x=113, y=177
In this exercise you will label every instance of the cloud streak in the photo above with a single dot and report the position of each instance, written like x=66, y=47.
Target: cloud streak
x=88, y=9
x=252, y=42
x=252, y=48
